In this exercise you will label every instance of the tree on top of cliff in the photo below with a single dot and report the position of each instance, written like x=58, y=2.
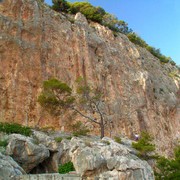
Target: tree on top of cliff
x=90, y=12
x=88, y=102
x=60, y=5
x=98, y=14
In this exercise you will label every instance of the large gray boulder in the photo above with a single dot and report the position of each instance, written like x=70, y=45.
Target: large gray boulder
x=46, y=140
x=26, y=151
x=106, y=159
x=9, y=168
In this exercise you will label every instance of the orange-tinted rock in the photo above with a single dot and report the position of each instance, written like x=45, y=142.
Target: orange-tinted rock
x=37, y=43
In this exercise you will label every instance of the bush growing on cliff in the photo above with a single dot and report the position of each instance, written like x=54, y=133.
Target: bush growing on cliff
x=79, y=129
x=60, y=5
x=115, y=25
x=3, y=143
x=117, y=139
x=144, y=145
x=169, y=169
x=15, y=128
x=58, y=139
x=90, y=12
x=133, y=37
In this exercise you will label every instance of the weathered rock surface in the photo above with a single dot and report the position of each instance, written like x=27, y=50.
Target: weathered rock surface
x=9, y=168
x=37, y=43
x=105, y=159
x=53, y=176
x=44, y=139
x=26, y=151
x=92, y=158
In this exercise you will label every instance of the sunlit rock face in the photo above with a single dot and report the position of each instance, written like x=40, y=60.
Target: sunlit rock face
x=37, y=43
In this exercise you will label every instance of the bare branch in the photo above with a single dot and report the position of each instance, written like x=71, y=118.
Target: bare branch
x=87, y=117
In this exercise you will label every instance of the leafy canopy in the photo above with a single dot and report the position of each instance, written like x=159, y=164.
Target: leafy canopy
x=56, y=96
x=93, y=13
x=60, y=5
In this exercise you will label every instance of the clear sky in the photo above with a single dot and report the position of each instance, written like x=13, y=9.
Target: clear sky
x=156, y=21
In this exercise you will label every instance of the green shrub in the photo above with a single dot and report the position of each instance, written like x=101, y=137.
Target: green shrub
x=89, y=11
x=169, y=169
x=3, y=143
x=117, y=139
x=15, y=128
x=60, y=5
x=69, y=138
x=65, y=168
x=106, y=142
x=144, y=145
x=58, y=139
x=79, y=129
x=133, y=37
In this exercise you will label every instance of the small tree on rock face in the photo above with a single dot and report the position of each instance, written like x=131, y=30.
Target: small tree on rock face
x=144, y=145
x=57, y=97
x=92, y=101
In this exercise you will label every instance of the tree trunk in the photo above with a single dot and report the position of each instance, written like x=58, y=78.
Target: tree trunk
x=102, y=127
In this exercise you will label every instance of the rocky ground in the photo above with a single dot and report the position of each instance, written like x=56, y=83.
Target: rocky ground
x=92, y=157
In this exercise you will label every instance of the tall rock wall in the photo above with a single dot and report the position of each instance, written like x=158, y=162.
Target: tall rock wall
x=37, y=43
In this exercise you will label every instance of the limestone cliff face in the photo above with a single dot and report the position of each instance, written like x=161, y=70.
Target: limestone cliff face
x=37, y=43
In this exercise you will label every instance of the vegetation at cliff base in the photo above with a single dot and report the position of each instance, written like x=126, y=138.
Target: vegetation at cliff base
x=98, y=14
x=144, y=145
x=79, y=129
x=65, y=168
x=169, y=169
x=58, y=139
x=117, y=139
x=3, y=143
x=10, y=128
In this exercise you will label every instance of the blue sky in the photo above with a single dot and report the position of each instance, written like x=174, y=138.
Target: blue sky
x=156, y=21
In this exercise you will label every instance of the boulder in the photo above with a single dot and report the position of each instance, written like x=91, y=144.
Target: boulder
x=46, y=140
x=106, y=159
x=80, y=19
x=26, y=151
x=9, y=168
x=87, y=160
